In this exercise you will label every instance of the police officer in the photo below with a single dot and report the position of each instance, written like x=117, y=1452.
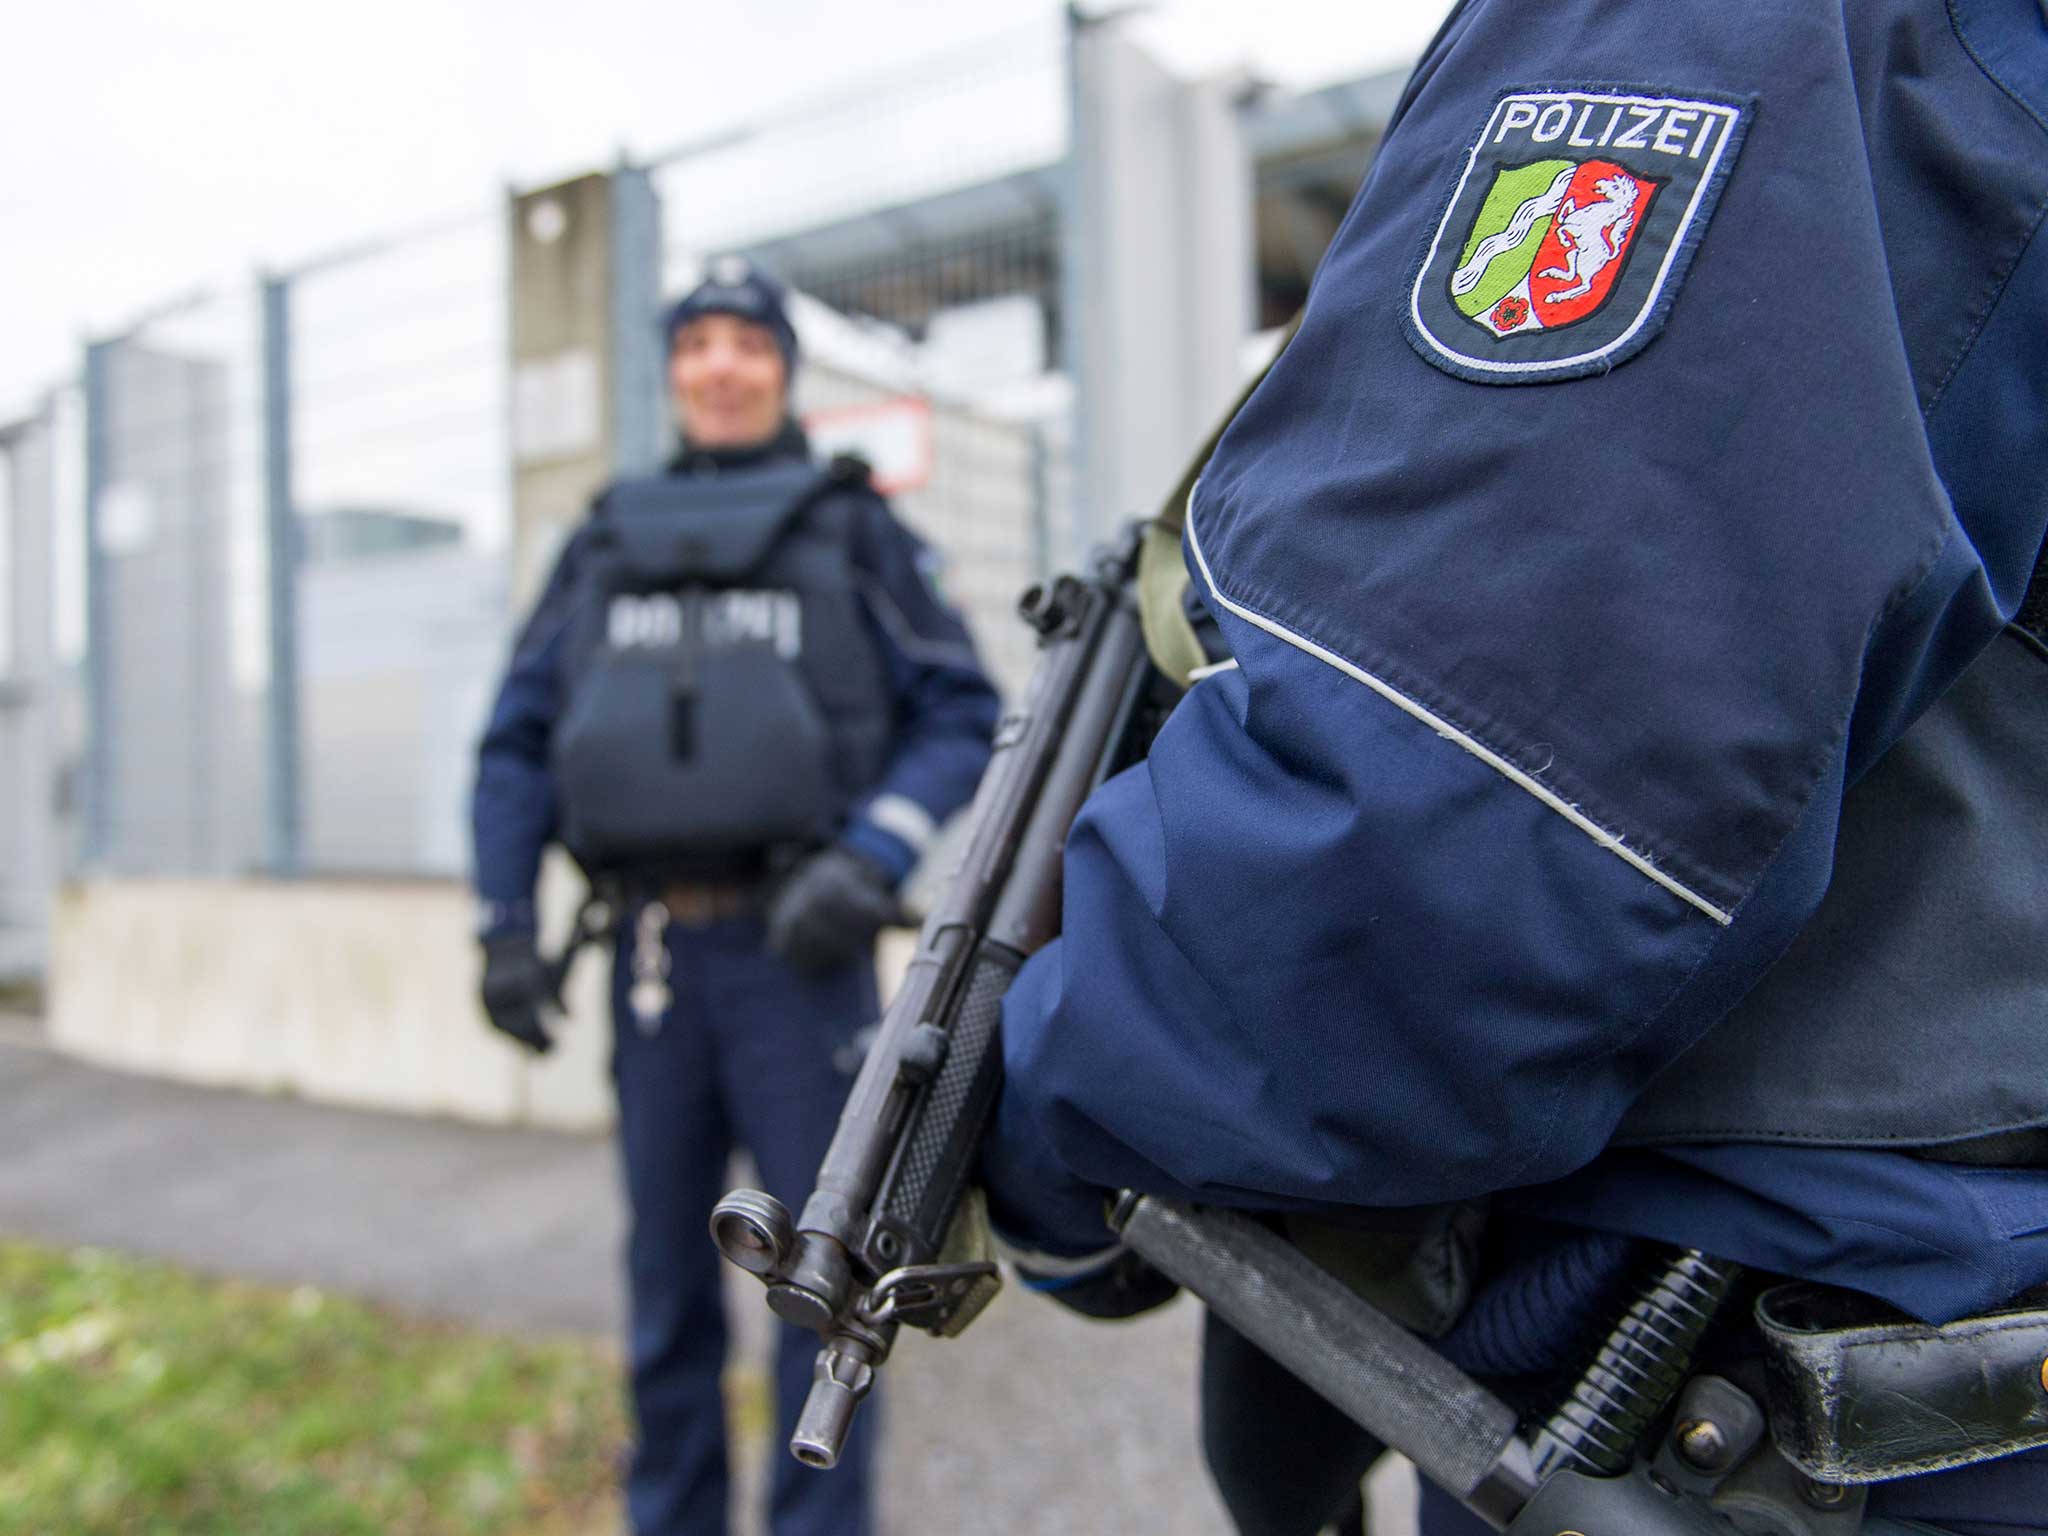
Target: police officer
x=1630, y=801
x=742, y=706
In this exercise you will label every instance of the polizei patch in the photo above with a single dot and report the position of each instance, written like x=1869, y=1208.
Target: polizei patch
x=1569, y=232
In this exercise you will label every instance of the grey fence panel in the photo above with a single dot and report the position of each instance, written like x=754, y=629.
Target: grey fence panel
x=401, y=469
x=176, y=601
x=307, y=478
x=32, y=827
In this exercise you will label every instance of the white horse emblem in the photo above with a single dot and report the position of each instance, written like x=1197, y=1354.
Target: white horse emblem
x=1594, y=235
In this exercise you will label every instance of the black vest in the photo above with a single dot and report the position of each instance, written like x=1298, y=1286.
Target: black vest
x=1912, y=1011
x=723, y=694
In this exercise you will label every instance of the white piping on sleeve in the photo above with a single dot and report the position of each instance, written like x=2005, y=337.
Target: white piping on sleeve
x=1052, y=1266
x=1212, y=669
x=1611, y=841
x=904, y=819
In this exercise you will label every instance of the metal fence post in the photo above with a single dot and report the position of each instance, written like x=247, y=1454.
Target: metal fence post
x=1080, y=287
x=96, y=834
x=638, y=392
x=1157, y=245
x=1041, y=505
x=284, y=840
x=28, y=469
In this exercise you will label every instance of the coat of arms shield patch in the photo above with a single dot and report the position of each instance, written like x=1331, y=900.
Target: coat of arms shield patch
x=1569, y=232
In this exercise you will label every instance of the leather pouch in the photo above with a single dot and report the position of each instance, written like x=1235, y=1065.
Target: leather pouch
x=1857, y=1395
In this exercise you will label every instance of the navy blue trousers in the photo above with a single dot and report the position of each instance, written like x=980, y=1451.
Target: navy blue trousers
x=752, y=1054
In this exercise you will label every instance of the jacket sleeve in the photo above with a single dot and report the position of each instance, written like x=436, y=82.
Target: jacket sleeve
x=512, y=812
x=1548, y=694
x=945, y=706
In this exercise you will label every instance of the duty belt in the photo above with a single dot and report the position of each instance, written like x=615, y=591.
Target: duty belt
x=697, y=904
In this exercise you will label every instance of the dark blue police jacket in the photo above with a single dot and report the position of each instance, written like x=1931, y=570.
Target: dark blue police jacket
x=945, y=708
x=1666, y=431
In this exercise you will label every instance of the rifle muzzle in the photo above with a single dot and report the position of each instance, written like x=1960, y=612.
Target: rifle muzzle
x=843, y=1376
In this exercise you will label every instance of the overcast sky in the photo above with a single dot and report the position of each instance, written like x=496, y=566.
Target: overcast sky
x=148, y=148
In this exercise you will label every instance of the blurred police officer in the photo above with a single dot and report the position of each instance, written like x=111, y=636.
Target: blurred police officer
x=742, y=706
x=1627, y=568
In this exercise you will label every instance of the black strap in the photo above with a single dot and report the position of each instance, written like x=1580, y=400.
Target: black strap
x=2033, y=614
x=1860, y=1394
x=850, y=470
x=596, y=919
x=697, y=547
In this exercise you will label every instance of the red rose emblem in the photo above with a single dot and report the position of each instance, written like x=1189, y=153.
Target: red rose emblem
x=1510, y=312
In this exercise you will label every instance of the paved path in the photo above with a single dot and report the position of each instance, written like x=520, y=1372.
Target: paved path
x=506, y=1228
x=1035, y=1422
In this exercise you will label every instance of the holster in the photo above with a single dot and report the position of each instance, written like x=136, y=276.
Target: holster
x=1857, y=1395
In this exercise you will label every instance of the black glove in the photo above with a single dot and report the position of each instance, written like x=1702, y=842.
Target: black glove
x=517, y=986
x=830, y=910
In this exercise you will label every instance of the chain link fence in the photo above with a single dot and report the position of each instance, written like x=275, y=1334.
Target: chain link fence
x=40, y=705
x=400, y=495
x=917, y=219
x=258, y=579
x=176, y=668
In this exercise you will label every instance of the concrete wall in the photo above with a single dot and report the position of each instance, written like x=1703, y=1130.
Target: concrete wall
x=360, y=993
x=350, y=993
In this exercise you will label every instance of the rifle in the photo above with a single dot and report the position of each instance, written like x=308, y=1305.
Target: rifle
x=879, y=1245
x=1638, y=1444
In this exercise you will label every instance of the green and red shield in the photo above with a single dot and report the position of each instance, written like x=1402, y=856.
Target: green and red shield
x=1577, y=222
x=1576, y=213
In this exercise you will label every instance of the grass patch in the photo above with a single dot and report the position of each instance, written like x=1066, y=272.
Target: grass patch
x=137, y=1398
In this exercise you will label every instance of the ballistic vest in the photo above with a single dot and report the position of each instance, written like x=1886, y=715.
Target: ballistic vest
x=723, y=695
x=1911, y=1013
